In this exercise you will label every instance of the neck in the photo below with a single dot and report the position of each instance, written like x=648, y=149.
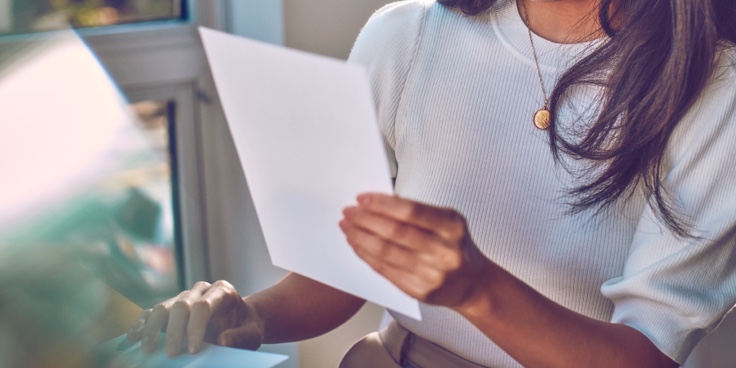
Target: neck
x=562, y=21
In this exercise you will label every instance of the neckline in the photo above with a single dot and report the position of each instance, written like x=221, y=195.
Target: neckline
x=514, y=35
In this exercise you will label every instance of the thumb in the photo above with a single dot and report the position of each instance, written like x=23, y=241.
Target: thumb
x=244, y=337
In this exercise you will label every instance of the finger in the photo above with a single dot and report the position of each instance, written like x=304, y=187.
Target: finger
x=201, y=287
x=402, y=233
x=367, y=244
x=136, y=330
x=379, y=254
x=246, y=337
x=155, y=323
x=178, y=318
x=418, y=283
x=221, y=296
x=443, y=221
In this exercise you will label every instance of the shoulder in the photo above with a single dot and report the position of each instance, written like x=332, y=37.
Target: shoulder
x=399, y=15
x=712, y=118
x=726, y=63
x=392, y=29
x=720, y=92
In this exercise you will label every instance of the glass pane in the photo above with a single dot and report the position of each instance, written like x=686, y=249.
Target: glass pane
x=122, y=229
x=88, y=207
x=145, y=216
x=24, y=16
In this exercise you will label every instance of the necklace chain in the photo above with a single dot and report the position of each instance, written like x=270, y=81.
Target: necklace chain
x=542, y=117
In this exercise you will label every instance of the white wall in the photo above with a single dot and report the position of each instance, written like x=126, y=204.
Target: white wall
x=326, y=27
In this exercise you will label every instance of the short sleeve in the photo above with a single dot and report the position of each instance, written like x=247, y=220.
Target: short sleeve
x=676, y=290
x=386, y=47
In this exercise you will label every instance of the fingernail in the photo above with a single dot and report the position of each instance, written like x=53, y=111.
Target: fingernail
x=192, y=344
x=364, y=199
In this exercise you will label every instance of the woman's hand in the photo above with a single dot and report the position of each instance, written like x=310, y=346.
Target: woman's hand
x=425, y=251
x=209, y=312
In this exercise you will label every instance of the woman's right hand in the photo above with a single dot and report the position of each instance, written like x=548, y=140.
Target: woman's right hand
x=213, y=313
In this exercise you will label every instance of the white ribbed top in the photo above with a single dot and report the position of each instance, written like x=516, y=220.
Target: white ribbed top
x=455, y=96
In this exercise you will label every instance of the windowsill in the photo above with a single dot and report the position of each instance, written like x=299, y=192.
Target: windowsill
x=123, y=38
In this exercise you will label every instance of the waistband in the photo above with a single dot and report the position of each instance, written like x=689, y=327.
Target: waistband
x=412, y=351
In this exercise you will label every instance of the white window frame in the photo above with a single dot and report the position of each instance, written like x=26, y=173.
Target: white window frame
x=164, y=61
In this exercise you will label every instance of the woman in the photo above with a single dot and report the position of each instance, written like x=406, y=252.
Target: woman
x=617, y=247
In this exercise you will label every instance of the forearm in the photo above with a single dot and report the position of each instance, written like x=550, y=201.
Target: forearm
x=428, y=253
x=298, y=308
x=538, y=332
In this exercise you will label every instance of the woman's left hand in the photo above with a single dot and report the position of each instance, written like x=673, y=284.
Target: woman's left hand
x=425, y=251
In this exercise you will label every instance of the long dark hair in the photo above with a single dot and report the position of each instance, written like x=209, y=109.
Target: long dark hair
x=653, y=68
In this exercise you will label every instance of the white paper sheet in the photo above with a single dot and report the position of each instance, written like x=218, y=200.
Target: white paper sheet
x=128, y=355
x=64, y=125
x=306, y=134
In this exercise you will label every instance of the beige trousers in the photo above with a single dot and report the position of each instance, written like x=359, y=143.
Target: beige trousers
x=396, y=347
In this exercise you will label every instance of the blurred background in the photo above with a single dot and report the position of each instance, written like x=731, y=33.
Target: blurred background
x=48, y=15
x=155, y=226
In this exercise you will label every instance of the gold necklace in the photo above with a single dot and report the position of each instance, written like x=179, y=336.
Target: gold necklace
x=543, y=117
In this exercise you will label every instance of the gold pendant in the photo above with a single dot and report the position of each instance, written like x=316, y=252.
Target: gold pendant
x=542, y=119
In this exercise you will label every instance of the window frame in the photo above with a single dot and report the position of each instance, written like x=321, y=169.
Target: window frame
x=164, y=60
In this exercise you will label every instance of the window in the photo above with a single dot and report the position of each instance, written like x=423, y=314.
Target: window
x=159, y=65
x=24, y=16
x=144, y=215
x=151, y=49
